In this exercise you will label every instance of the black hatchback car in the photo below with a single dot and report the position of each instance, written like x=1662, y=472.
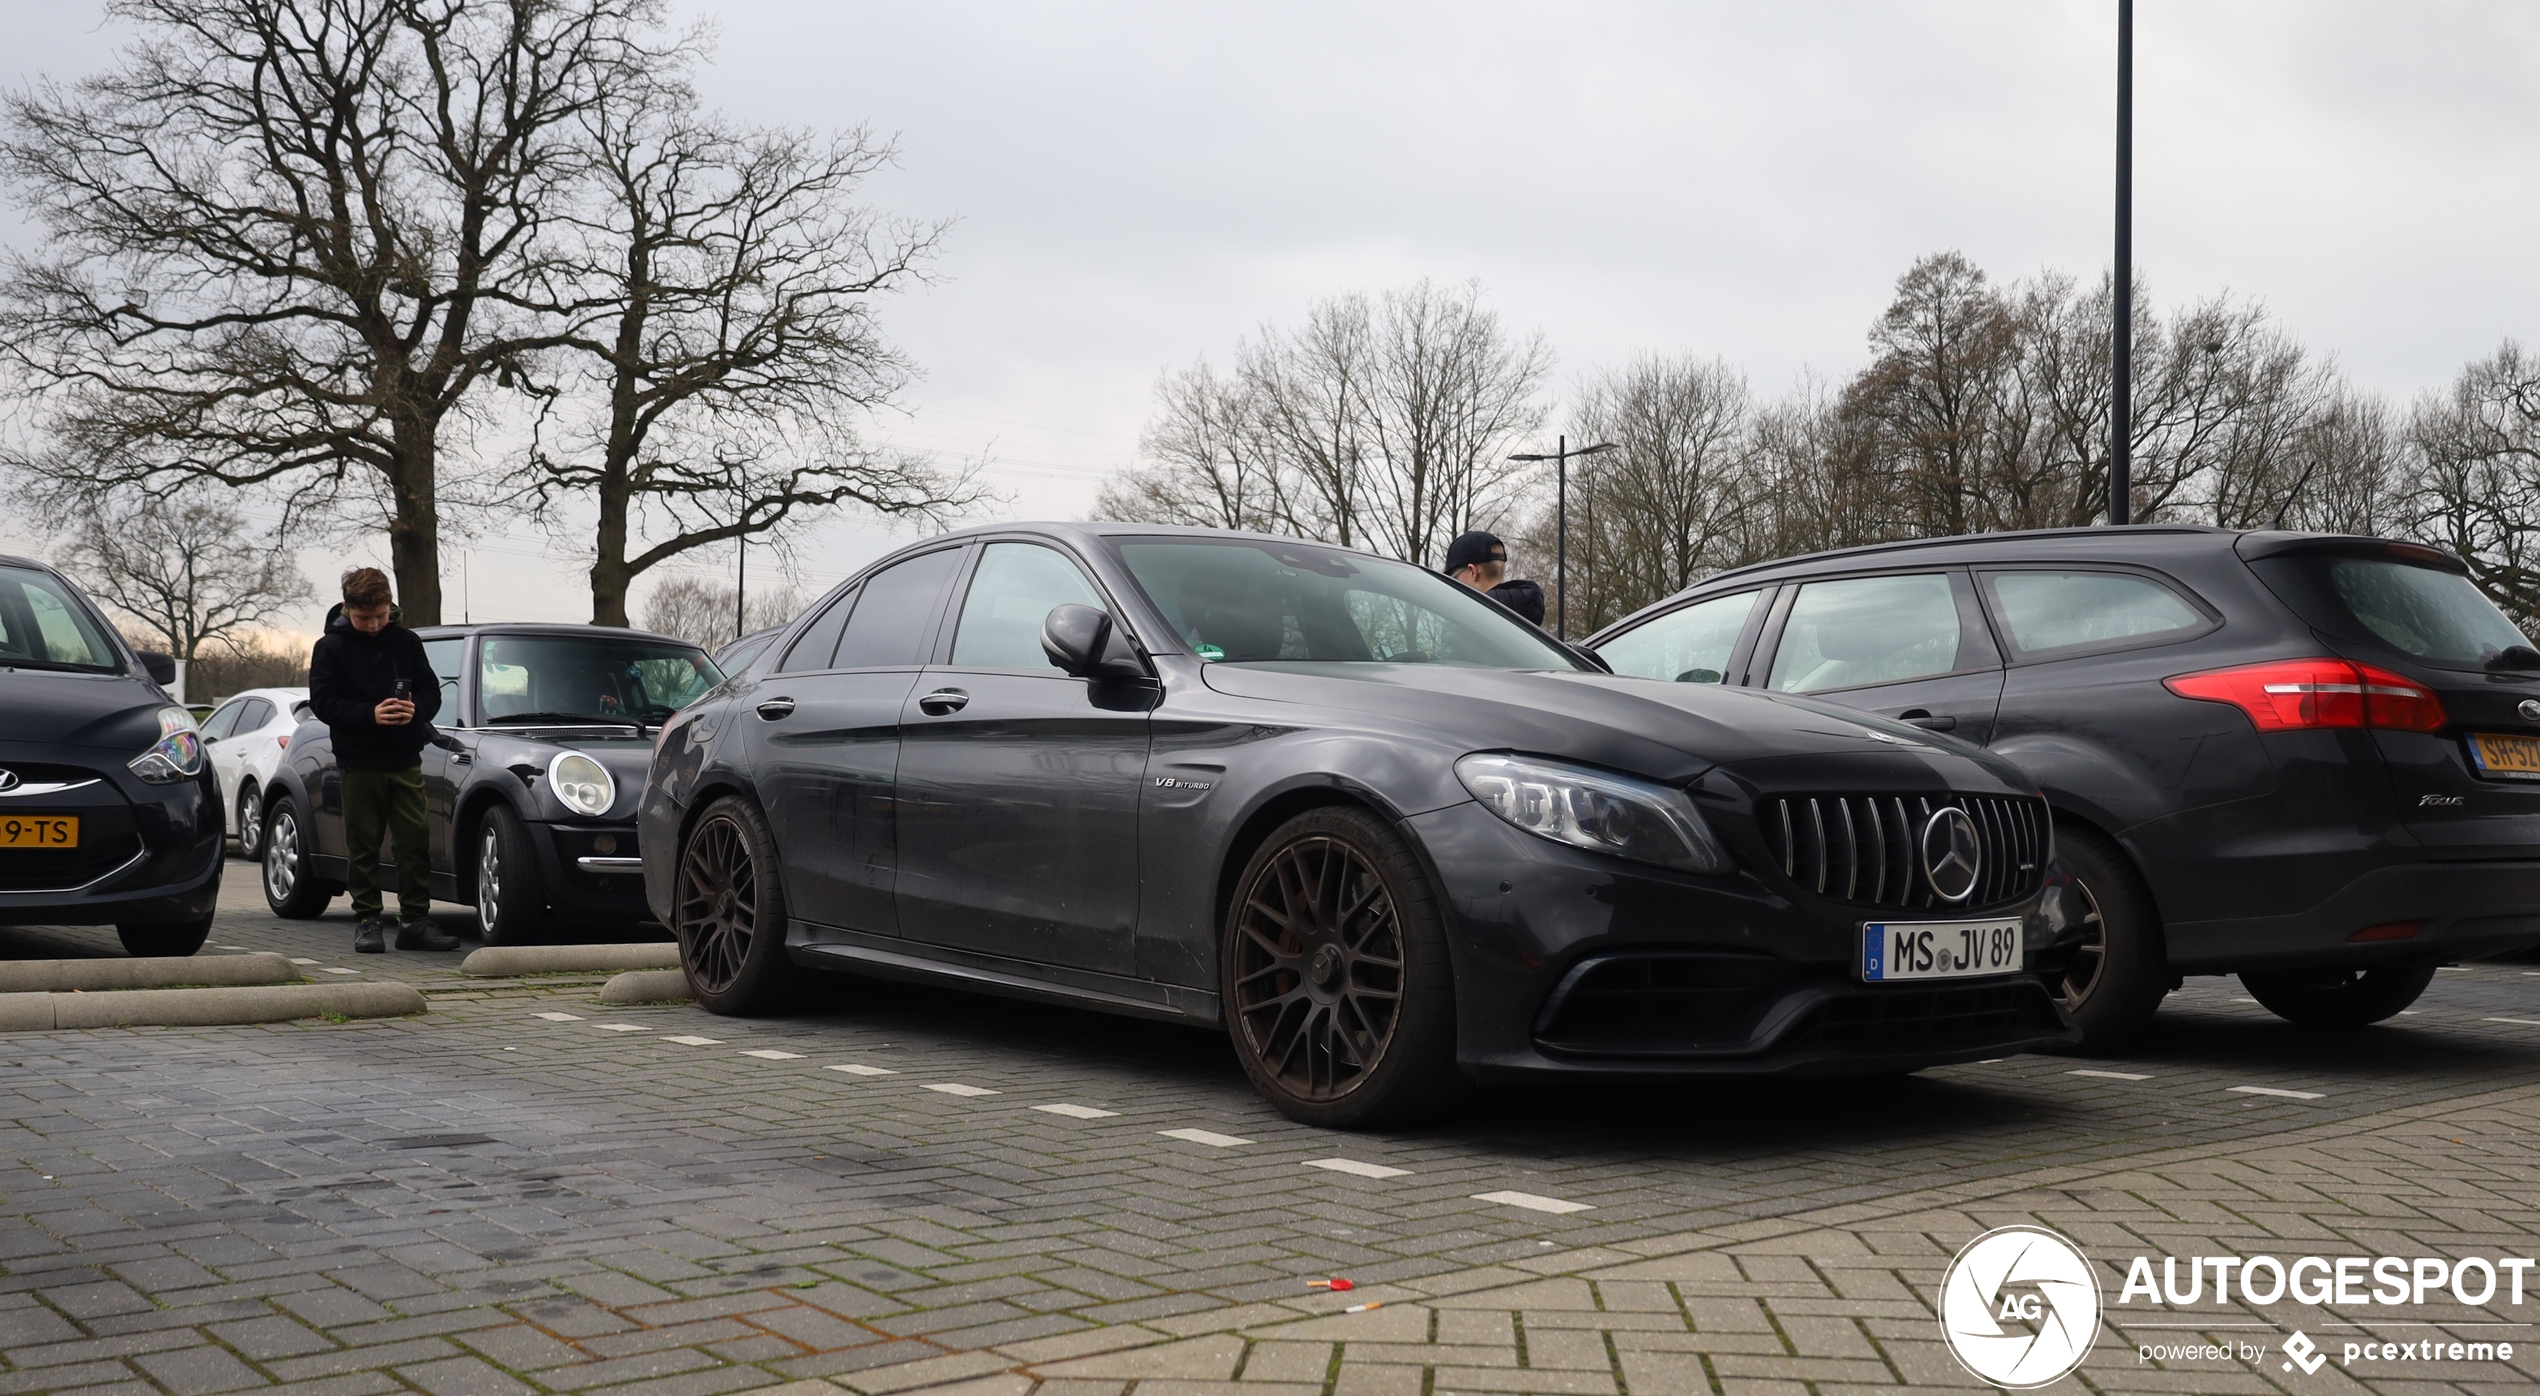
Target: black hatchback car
x=533, y=816
x=108, y=814
x=1385, y=832
x=2310, y=760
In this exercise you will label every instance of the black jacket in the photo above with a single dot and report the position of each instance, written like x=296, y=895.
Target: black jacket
x=1523, y=597
x=351, y=673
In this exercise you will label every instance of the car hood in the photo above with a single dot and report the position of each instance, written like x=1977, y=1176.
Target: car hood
x=1666, y=731
x=626, y=757
x=92, y=710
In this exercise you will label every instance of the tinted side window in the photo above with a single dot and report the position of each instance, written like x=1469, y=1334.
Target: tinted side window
x=1689, y=646
x=1866, y=630
x=1013, y=591
x=889, y=622
x=256, y=714
x=2059, y=610
x=221, y=723
x=818, y=641
x=445, y=656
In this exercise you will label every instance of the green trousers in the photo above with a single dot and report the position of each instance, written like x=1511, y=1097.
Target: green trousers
x=390, y=803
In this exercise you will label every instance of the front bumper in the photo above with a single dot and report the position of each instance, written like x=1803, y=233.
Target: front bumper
x=2460, y=911
x=1568, y=964
x=148, y=855
x=585, y=879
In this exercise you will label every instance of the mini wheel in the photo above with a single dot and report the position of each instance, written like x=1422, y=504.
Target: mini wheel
x=511, y=897
x=289, y=863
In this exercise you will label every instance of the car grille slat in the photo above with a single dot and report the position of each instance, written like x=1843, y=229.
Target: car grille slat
x=1866, y=849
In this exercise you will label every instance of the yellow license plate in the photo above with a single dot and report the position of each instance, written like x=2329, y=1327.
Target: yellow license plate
x=39, y=831
x=2516, y=758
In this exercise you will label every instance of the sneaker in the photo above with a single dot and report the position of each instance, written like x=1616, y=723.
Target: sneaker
x=420, y=934
x=370, y=936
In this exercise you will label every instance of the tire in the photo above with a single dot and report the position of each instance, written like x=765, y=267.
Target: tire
x=2338, y=998
x=511, y=894
x=2122, y=972
x=1333, y=968
x=251, y=825
x=729, y=912
x=176, y=938
x=289, y=864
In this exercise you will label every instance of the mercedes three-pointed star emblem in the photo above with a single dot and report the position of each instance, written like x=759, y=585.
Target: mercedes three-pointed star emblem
x=1953, y=854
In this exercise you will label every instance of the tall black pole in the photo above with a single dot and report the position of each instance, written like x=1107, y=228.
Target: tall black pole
x=1561, y=538
x=2121, y=400
x=740, y=586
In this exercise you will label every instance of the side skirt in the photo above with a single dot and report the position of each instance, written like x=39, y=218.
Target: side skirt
x=888, y=957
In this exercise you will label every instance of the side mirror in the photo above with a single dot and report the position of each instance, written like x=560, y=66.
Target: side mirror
x=1082, y=641
x=160, y=665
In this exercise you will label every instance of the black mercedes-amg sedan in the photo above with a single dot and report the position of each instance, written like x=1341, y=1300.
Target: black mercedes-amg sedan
x=531, y=816
x=1387, y=834
x=108, y=813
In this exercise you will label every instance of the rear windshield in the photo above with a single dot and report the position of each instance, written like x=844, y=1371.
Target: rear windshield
x=43, y=627
x=1236, y=601
x=2424, y=613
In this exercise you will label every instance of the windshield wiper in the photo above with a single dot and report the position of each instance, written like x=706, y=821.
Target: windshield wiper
x=560, y=719
x=2514, y=657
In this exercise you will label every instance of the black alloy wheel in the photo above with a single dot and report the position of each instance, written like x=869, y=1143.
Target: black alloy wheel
x=2119, y=976
x=1337, y=986
x=251, y=825
x=728, y=906
x=2338, y=998
x=289, y=864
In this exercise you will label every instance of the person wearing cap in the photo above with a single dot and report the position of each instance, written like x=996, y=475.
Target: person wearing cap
x=1478, y=560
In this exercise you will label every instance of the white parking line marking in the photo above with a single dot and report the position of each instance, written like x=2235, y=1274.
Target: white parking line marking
x=770, y=1054
x=956, y=1088
x=1357, y=1169
x=685, y=1040
x=2518, y=1022
x=2270, y=1090
x=561, y=1017
x=1532, y=1203
x=860, y=1069
x=1076, y=1112
x=331, y=969
x=2112, y=1075
x=303, y=962
x=1202, y=1136
x=2453, y=969
x=621, y=1027
x=241, y=947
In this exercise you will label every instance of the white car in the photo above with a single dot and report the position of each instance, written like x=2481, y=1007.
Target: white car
x=246, y=737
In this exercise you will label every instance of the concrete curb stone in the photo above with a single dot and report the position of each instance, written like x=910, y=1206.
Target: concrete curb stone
x=497, y=961
x=157, y=972
x=648, y=986
x=203, y=1008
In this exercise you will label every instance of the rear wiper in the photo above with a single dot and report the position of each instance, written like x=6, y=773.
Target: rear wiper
x=2514, y=657
x=572, y=719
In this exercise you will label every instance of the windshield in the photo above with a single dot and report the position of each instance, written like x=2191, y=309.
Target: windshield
x=2427, y=613
x=597, y=678
x=1237, y=600
x=42, y=626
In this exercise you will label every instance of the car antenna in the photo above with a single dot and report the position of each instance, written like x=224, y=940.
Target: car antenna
x=2295, y=492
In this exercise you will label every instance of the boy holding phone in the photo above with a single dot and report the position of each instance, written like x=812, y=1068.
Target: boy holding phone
x=370, y=683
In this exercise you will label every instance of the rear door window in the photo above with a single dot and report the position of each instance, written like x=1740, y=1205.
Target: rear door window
x=894, y=612
x=253, y=717
x=813, y=648
x=1691, y=645
x=2044, y=613
x=220, y=724
x=1868, y=630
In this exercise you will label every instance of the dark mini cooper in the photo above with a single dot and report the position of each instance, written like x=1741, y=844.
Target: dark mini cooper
x=108, y=814
x=1387, y=834
x=533, y=815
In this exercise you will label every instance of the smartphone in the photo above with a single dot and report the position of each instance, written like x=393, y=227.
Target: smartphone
x=403, y=691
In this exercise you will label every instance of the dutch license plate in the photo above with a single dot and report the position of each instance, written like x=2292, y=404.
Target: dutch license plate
x=39, y=831
x=2498, y=754
x=1892, y=950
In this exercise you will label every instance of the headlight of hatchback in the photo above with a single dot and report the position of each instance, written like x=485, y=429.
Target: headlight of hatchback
x=178, y=753
x=582, y=783
x=1595, y=810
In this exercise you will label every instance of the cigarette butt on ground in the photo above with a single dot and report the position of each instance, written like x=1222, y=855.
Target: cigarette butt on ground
x=1362, y=1308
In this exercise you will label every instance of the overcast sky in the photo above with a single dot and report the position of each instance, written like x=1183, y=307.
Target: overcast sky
x=1138, y=185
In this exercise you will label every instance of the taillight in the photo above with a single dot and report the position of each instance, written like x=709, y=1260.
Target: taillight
x=282, y=742
x=2289, y=695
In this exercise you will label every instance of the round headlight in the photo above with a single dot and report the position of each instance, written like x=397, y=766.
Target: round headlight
x=582, y=783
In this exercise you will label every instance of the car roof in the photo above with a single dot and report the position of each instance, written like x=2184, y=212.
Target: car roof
x=517, y=627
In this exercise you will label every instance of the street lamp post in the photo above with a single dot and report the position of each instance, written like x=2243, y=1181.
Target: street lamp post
x=2121, y=341
x=1560, y=457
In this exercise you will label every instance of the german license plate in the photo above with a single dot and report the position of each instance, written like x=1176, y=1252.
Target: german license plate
x=1892, y=950
x=39, y=831
x=2509, y=757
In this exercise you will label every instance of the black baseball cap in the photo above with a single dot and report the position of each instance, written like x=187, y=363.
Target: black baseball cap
x=1473, y=549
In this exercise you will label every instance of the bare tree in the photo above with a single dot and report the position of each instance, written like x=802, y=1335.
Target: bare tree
x=725, y=344
x=293, y=240
x=701, y=611
x=186, y=570
x=2476, y=489
x=1204, y=459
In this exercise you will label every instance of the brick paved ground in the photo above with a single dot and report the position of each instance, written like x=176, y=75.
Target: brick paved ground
x=486, y=1200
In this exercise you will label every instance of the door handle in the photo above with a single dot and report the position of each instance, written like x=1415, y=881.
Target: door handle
x=462, y=758
x=776, y=708
x=943, y=702
x=1921, y=717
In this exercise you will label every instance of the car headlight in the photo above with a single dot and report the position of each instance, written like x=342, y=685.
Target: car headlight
x=1595, y=810
x=178, y=753
x=582, y=783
